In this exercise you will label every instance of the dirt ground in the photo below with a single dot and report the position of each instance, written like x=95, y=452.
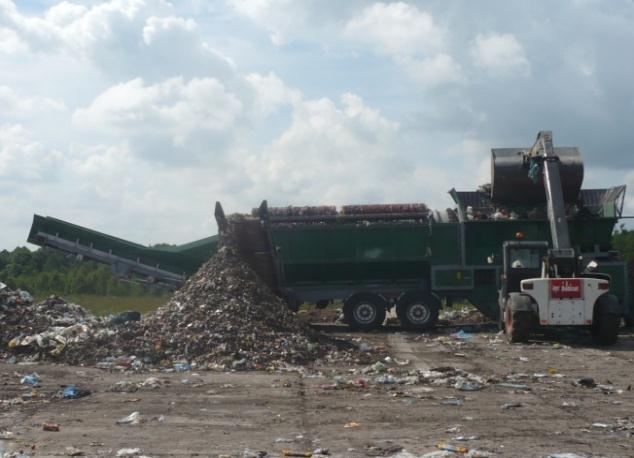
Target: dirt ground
x=211, y=414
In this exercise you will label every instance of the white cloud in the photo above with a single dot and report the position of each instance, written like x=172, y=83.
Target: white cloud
x=175, y=106
x=23, y=159
x=271, y=93
x=396, y=29
x=123, y=38
x=325, y=147
x=500, y=54
x=432, y=71
x=16, y=105
x=10, y=42
x=410, y=37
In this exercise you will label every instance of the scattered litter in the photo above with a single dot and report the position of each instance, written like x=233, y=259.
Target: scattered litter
x=463, y=384
x=54, y=427
x=511, y=405
x=586, y=382
x=133, y=419
x=461, y=335
x=566, y=455
x=514, y=386
x=128, y=452
x=74, y=451
x=451, y=448
x=352, y=424
x=290, y=453
x=452, y=402
x=388, y=448
x=72, y=392
x=30, y=379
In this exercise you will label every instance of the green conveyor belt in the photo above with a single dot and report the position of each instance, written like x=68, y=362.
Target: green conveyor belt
x=181, y=259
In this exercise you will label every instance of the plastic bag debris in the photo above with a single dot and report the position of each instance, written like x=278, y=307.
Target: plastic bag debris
x=128, y=452
x=462, y=335
x=72, y=392
x=134, y=418
x=74, y=451
x=463, y=384
x=30, y=379
x=566, y=455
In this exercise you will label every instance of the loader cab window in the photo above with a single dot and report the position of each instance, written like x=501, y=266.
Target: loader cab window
x=523, y=263
x=525, y=258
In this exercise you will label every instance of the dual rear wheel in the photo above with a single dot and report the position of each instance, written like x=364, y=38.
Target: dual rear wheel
x=416, y=311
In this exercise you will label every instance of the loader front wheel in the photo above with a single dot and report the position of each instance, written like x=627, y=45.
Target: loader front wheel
x=517, y=325
x=605, y=329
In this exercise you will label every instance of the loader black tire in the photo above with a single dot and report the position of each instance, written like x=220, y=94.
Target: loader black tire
x=517, y=325
x=606, y=323
x=364, y=311
x=418, y=311
x=605, y=328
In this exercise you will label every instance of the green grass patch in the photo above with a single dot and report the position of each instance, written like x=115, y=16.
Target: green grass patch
x=106, y=305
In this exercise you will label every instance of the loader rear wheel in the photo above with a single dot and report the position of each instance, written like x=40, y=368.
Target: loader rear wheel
x=364, y=312
x=517, y=325
x=417, y=312
x=605, y=329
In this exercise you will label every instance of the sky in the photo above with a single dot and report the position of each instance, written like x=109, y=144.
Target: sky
x=132, y=117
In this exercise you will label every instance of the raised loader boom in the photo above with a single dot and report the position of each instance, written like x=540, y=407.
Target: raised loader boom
x=542, y=156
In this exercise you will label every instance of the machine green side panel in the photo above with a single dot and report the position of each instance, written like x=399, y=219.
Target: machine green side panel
x=353, y=255
x=485, y=238
x=180, y=259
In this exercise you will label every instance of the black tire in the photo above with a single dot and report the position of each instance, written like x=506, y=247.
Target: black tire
x=605, y=326
x=364, y=312
x=418, y=312
x=517, y=325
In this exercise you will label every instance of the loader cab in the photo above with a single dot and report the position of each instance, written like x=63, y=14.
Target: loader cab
x=521, y=260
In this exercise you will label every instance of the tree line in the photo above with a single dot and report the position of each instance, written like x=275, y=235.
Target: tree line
x=47, y=271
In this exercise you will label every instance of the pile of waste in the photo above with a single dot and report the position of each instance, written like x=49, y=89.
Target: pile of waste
x=37, y=330
x=224, y=317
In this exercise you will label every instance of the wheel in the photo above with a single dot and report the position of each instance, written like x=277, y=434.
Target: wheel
x=364, y=312
x=605, y=325
x=418, y=312
x=605, y=329
x=516, y=325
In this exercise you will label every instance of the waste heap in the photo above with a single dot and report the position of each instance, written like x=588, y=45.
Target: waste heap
x=42, y=329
